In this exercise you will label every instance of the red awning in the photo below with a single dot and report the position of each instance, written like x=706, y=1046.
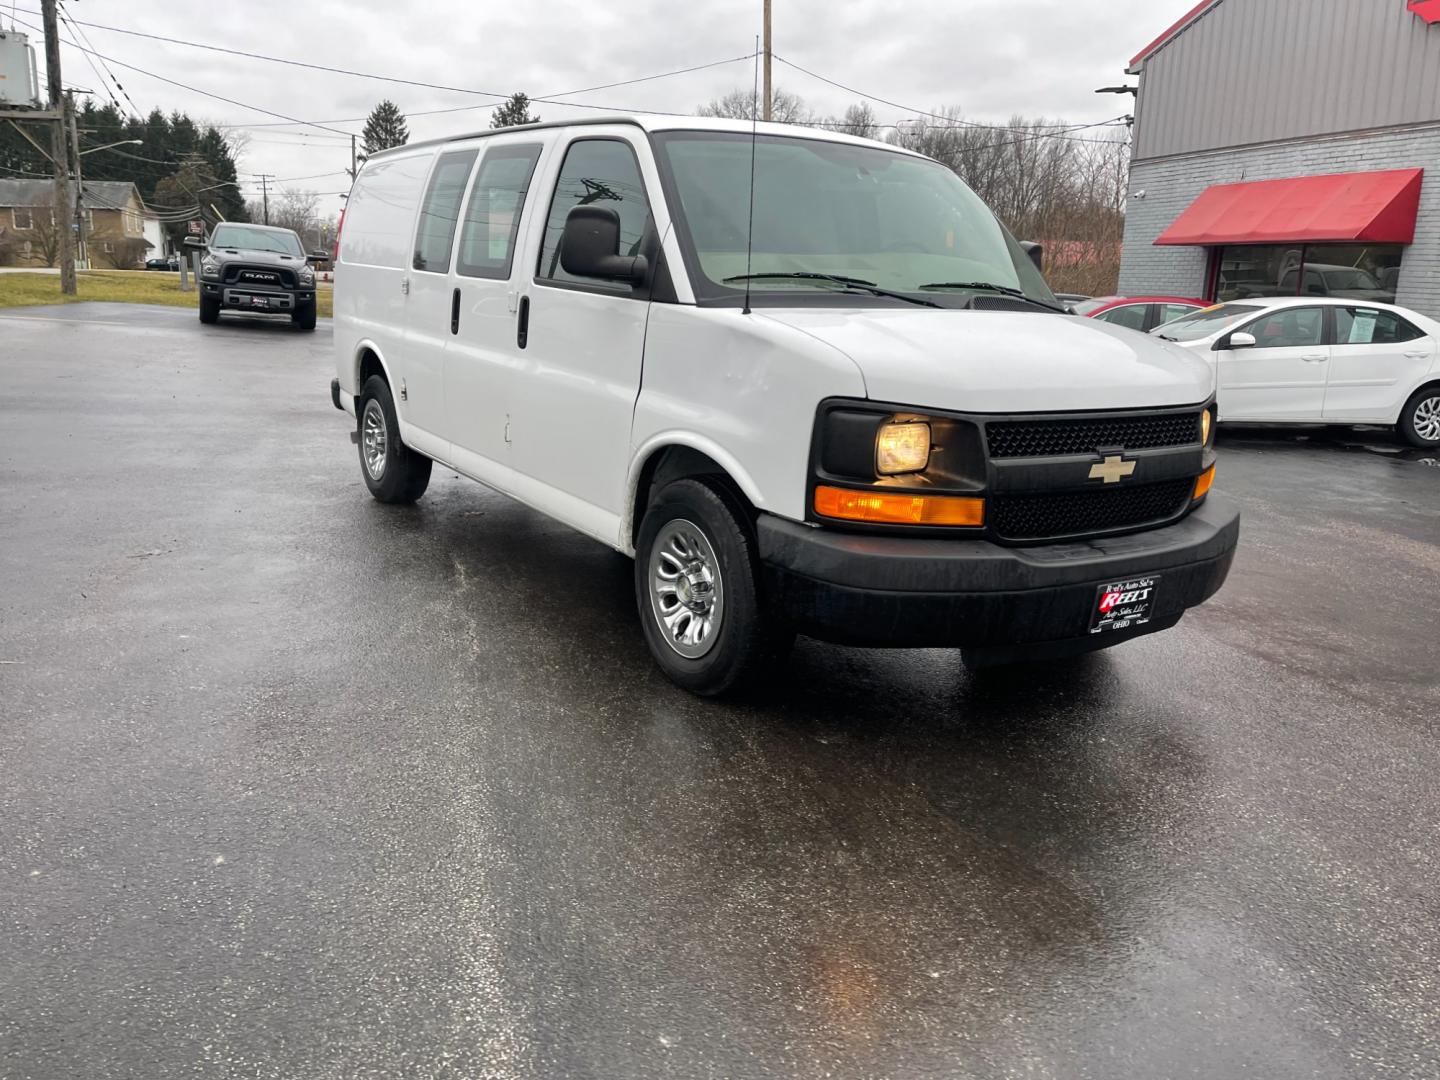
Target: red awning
x=1369, y=208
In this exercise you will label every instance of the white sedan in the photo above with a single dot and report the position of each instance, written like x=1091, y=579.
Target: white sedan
x=1307, y=360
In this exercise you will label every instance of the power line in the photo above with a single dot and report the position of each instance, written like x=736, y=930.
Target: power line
x=80, y=33
x=75, y=32
x=547, y=99
x=1058, y=132
x=197, y=90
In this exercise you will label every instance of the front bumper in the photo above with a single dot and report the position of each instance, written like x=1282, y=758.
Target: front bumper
x=257, y=298
x=1003, y=602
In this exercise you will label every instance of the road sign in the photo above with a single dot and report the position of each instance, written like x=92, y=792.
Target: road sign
x=197, y=228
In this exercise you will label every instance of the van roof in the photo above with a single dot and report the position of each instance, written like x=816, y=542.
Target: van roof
x=654, y=122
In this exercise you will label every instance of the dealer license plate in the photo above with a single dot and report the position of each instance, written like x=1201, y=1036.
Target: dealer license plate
x=260, y=301
x=1121, y=605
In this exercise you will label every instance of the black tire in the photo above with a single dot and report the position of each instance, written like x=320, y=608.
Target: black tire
x=1420, y=419
x=209, y=309
x=304, y=316
x=746, y=641
x=402, y=475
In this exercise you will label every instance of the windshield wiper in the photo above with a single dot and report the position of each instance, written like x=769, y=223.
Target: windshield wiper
x=1166, y=337
x=838, y=279
x=990, y=286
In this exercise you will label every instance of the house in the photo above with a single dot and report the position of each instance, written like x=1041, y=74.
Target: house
x=114, y=224
x=1282, y=149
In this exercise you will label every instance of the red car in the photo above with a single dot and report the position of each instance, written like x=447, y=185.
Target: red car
x=1142, y=313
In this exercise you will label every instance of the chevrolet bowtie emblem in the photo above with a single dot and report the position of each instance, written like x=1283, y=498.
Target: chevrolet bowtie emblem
x=1112, y=470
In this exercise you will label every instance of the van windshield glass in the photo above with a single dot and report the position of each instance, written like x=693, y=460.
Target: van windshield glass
x=896, y=222
x=238, y=236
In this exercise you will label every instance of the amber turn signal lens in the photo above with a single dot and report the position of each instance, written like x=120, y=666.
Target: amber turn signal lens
x=1203, y=482
x=1205, y=421
x=890, y=508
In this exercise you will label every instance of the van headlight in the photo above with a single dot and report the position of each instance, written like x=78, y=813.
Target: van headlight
x=902, y=448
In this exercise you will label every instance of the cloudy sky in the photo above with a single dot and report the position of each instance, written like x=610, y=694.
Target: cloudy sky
x=991, y=58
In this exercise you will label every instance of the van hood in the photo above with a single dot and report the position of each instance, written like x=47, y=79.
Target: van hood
x=1004, y=361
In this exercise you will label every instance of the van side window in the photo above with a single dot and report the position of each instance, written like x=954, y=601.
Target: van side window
x=596, y=172
x=441, y=209
x=492, y=217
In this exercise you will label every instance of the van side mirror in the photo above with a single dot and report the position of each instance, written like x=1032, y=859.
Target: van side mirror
x=1240, y=339
x=1036, y=253
x=590, y=247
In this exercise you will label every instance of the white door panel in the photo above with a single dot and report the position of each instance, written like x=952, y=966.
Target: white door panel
x=483, y=356
x=573, y=398
x=1281, y=377
x=1372, y=369
x=431, y=291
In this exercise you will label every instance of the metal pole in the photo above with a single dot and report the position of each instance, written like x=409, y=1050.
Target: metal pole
x=766, y=115
x=265, y=196
x=64, y=208
x=352, y=157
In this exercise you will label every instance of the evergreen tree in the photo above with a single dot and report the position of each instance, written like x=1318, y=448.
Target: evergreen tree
x=384, y=128
x=514, y=113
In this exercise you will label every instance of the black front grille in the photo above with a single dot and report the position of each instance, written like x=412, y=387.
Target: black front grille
x=1070, y=513
x=270, y=277
x=1055, y=438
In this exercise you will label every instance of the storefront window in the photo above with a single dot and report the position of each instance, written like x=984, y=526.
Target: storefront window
x=1355, y=271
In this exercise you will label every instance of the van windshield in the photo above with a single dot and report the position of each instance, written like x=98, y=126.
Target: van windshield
x=825, y=211
x=248, y=239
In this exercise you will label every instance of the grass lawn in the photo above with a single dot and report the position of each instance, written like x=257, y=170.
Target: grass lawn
x=124, y=286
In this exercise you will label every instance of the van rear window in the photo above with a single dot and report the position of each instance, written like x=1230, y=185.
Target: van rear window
x=380, y=215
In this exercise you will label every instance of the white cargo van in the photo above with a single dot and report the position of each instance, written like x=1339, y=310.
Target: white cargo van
x=847, y=406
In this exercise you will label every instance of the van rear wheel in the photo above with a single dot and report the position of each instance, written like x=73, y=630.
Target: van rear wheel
x=697, y=587
x=393, y=472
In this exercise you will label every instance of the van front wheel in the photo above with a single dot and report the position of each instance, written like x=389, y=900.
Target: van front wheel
x=393, y=472
x=698, y=590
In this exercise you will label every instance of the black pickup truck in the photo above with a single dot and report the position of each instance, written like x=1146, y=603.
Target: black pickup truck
x=256, y=268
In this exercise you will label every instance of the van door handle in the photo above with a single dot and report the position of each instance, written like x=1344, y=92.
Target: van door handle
x=522, y=326
x=455, y=312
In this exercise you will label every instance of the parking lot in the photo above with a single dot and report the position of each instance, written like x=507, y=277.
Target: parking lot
x=299, y=785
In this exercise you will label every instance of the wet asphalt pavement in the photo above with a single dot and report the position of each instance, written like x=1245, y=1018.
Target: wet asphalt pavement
x=293, y=784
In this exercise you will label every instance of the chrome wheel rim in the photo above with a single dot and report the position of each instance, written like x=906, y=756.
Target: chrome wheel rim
x=687, y=593
x=374, y=440
x=1426, y=420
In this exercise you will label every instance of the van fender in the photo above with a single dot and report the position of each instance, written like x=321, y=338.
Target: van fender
x=711, y=449
x=363, y=346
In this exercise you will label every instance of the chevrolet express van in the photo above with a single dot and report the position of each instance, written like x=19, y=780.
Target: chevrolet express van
x=838, y=400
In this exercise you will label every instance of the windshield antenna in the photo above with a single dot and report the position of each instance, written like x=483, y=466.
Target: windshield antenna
x=750, y=230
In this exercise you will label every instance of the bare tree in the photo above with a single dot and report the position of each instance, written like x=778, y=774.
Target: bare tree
x=859, y=120
x=124, y=254
x=298, y=210
x=1066, y=192
x=739, y=104
x=44, y=234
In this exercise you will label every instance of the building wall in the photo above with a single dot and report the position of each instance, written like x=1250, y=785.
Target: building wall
x=1255, y=71
x=1171, y=184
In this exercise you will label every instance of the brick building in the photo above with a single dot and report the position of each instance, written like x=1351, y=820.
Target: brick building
x=114, y=223
x=1282, y=147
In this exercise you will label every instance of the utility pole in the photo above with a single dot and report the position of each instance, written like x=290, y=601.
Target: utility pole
x=265, y=179
x=59, y=150
x=766, y=115
x=73, y=146
x=352, y=158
